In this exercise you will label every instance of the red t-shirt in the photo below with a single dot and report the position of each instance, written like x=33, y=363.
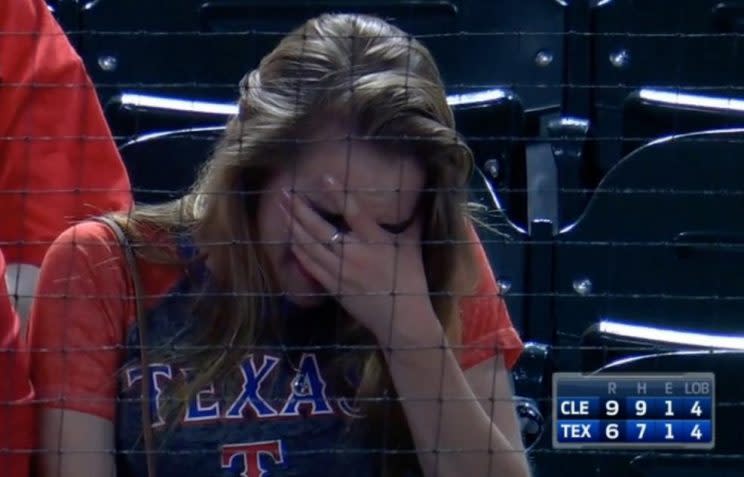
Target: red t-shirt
x=58, y=161
x=16, y=395
x=82, y=315
x=58, y=165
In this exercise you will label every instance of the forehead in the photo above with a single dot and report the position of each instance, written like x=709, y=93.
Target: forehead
x=384, y=180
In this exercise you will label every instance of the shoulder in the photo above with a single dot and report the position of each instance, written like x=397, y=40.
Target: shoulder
x=85, y=285
x=83, y=235
x=90, y=252
x=85, y=247
x=81, y=271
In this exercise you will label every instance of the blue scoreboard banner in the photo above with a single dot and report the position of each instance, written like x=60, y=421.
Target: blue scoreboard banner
x=634, y=410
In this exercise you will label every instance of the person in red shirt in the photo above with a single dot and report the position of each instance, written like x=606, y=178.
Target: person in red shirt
x=58, y=165
x=319, y=303
x=16, y=395
x=58, y=161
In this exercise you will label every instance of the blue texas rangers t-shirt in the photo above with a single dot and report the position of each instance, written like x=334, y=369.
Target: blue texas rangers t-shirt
x=286, y=413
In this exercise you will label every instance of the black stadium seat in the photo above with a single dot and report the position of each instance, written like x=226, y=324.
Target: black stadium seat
x=162, y=166
x=478, y=44
x=660, y=244
x=652, y=113
x=685, y=46
x=66, y=14
x=133, y=114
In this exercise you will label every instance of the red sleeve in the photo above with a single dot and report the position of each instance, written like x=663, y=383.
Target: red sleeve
x=78, y=321
x=486, y=326
x=58, y=161
x=16, y=395
x=81, y=314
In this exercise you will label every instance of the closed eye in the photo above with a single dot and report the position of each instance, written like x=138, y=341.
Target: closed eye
x=400, y=227
x=339, y=222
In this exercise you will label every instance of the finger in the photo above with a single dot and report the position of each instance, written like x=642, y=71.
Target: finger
x=321, y=254
x=319, y=229
x=334, y=281
x=326, y=278
x=361, y=223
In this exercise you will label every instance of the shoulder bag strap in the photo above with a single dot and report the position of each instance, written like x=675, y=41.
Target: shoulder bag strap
x=131, y=263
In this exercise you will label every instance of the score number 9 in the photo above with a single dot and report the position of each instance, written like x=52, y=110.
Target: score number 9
x=612, y=408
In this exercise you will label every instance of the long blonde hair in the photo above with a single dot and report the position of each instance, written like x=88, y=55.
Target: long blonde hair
x=388, y=87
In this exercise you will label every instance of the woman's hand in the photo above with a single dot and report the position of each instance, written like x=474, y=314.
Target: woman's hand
x=377, y=276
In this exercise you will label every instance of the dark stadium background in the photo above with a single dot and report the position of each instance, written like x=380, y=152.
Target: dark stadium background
x=608, y=136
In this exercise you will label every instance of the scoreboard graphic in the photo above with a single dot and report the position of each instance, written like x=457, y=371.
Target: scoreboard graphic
x=670, y=411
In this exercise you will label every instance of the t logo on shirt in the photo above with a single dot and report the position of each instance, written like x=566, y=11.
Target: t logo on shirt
x=249, y=458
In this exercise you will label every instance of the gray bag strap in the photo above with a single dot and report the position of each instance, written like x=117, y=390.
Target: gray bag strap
x=136, y=280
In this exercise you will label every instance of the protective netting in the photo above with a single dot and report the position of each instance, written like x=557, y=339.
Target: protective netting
x=309, y=301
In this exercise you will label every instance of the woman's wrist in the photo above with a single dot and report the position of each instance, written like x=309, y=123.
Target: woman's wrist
x=414, y=327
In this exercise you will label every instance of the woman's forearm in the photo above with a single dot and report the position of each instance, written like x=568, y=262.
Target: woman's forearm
x=452, y=432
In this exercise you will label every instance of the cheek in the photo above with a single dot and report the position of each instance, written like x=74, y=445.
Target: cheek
x=416, y=230
x=275, y=228
x=416, y=233
x=271, y=224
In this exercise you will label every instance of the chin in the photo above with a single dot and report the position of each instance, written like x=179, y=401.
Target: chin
x=300, y=287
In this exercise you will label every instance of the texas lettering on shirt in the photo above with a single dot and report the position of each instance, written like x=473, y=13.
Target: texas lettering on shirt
x=306, y=396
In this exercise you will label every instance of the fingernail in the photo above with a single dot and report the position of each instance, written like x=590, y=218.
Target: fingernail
x=286, y=195
x=351, y=205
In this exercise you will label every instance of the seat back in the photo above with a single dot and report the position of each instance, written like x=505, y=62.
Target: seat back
x=162, y=166
x=649, y=114
x=134, y=43
x=660, y=242
x=686, y=46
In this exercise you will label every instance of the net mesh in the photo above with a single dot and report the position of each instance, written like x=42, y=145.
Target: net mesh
x=311, y=298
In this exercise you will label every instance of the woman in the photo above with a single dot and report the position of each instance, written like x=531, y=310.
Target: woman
x=303, y=304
